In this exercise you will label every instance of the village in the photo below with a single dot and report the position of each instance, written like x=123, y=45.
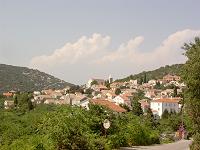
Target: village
x=158, y=95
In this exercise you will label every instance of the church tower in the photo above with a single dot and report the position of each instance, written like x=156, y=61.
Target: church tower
x=110, y=79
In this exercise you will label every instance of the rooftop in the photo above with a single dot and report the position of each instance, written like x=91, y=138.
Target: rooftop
x=168, y=100
x=108, y=104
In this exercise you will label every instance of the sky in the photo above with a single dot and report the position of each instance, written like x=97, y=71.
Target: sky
x=76, y=40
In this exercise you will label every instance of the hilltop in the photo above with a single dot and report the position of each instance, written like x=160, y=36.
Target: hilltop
x=25, y=79
x=155, y=74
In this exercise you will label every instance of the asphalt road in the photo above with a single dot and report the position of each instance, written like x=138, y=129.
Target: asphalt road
x=180, y=145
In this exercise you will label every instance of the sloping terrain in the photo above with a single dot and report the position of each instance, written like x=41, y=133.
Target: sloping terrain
x=25, y=79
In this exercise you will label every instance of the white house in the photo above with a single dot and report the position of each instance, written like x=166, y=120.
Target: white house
x=150, y=93
x=78, y=100
x=8, y=104
x=158, y=106
x=134, y=82
x=152, y=82
x=36, y=93
x=122, y=99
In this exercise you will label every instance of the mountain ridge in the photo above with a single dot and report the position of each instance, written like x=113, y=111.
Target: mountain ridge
x=154, y=74
x=25, y=79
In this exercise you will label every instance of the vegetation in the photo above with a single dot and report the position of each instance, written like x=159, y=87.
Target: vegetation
x=117, y=91
x=94, y=82
x=64, y=127
x=155, y=74
x=136, y=108
x=24, y=79
x=191, y=76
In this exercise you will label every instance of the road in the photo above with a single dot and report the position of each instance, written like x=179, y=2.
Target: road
x=180, y=145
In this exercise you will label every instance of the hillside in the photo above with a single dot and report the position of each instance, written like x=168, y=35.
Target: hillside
x=155, y=74
x=25, y=79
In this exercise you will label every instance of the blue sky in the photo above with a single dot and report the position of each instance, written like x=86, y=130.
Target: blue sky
x=75, y=40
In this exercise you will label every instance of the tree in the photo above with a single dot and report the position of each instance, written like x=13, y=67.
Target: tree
x=30, y=105
x=94, y=82
x=165, y=114
x=149, y=113
x=136, y=108
x=175, y=91
x=145, y=78
x=117, y=91
x=107, y=84
x=149, y=119
x=15, y=101
x=140, y=81
x=125, y=107
x=191, y=76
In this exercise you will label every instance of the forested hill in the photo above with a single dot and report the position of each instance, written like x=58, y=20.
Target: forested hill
x=155, y=74
x=25, y=79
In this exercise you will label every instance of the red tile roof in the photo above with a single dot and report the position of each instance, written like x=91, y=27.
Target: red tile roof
x=168, y=100
x=8, y=94
x=108, y=104
x=154, y=110
x=144, y=104
x=125, y=98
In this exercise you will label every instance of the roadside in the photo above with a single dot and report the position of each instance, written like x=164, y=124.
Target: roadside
x=180, y=145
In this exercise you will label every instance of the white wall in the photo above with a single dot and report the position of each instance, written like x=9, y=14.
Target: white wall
x=161, y=106
x=118, y=100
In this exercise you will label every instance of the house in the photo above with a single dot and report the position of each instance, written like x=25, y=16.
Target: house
x=133, y=82
x=158, y=106
x=8, y=94
x=99, y=82
x=8, y=104
x=152, y=82
x=123, y=99
x=36, y=93
x=111, y=95
x=38, y=99
x=56, y=94
x=99, y=87
x=169, y=78
x=130, y=91
x=78, y=100
x=47, y=92
x=167, y=93
x=144, y=104
x=50, y=101
x=116, y=85
x=110, y=105
x=150, y=94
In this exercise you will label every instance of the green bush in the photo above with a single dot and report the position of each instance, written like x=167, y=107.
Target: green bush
x=65, y=127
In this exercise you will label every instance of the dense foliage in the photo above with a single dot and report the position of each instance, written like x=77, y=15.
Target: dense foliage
x=65, y=127
x=191, y=76
x=24, y=79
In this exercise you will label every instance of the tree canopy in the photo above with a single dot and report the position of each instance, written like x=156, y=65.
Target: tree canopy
x=191, y=76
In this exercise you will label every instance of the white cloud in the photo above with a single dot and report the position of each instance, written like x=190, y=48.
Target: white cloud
x=167, y=53
x=97, y=59
x=123, y=52
x=73, y=52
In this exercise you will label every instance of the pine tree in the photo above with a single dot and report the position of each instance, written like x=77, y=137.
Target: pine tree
x=145, y=78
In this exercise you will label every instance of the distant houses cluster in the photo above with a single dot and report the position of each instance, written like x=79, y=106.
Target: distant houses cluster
x=158, y=95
